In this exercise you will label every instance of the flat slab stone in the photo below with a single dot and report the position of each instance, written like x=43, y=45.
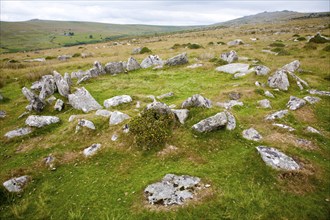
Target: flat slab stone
x=312, y=99
x=103, y=113
x=172, y=190
x=234, y=68
x=277, y=159
x=212, y=123
x=252, y=134
x=82, y=100
x=312, y=130
x=318, y=92
x=117, y=118
x=117, y=100
x=229, y=104
x=41, y=121
x=284, y=126
x=295, y=103
x=276, y=115
x=18, y=132
x=86, y=123
x=90, y=151
x=16, y=184
x=265, y=103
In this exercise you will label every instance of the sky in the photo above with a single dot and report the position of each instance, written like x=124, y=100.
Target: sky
x=173, y=12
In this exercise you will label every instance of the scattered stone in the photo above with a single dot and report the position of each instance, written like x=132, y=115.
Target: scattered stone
x=234, y=95
x=136, y=50
x=229, y=104
x=312, y=99
x=132, y=64
x=305, y=143
x=72, y=118
x=312, y=130
x=231, y=121
x=117, y=100
x=151, y=60
x=37, y=85
x=181, y=114
x=212, y=123
x=277, y=159
x=265, y=103
x=166, y=95
x=1, y=97
x=172, y=190
x=235, y=42
x=295, y=103
x=234, y=68
x=114, y=137
x=279, y=80
x=258, y=84
x=197, y=101
x=138, y=104
x=276, y=115
x=117, y=118
x=50, y=162
x=86, y=123
x=40, y=121
x=68, y=79
x=2, y=114
x=261, y=70
x=35, y=102
x=162, y=108
x=195, y=65
x=125, y=128
x=103, y=113
x=252, y=134
x=300, y=82
x=62, y=85
x=229, y=56
x=269, y=94
x=292, y=67
x=169, y=149
x=59, y=105
x=64, y=57
x=48, y=86
x=177, y=60
x=51, y=99
x=114, y=68
x=23, y=114
x=270, y=52
x=318, y=92
x=36, y=60
x=82, y=100
x=18, y=132
x=16, y=184
x=284, y=126
x=90, y=151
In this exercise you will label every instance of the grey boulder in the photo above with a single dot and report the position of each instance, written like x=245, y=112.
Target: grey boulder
x=276, y=115
x=59, y=105
x=279, y=80
x=16, y=184
x=62, y=85
x=177, y=60
x=212, y=123
x=82, y=100
x=252, y=134
x=41, y=121
x=117, y=100
x=292, y=67
x=295, y=103
x=35, y=102
x=277, y=159
x=103, y=113
x=90, y=151
x=197, y=101
x=117, y=118
x=261, y=70
x=114, y=68
x=18, y=132
x=48, y=86
x=265, y=103
x=229, y=56
x=132, y=64
x=86, y=123
x=181, y=114
x=151, y=60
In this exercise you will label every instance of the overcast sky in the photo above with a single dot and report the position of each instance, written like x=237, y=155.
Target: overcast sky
x=150, y=12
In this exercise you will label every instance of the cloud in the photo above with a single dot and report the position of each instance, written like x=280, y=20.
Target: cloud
x=149, y=12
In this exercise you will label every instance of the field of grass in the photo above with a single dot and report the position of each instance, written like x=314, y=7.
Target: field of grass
x=110, y=184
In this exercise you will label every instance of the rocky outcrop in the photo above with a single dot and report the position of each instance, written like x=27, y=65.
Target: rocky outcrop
x=212, y=123
x=177, y=60
x=59, y=105
x=132, y=64
x=197, y=101
x=276, y=115
x=117, y=118
x=82, y=100
x=151, y=60
x=279, y=80
x=181, y=114
x=229, y=56
x=41, y=121
x=277, y=159
x=252, y=134
x=117, y=100
x=62, y=85
x=172, y=190
x=295, y=103
x=90, y=151
x=16, y=184
x=114, y=68
x=18, y=132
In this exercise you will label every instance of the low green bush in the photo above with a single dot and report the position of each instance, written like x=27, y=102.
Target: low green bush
x=281, y=51
x=327, y=48
x=76, y=55
x=301, y=38
x=277, y=44
x=145, y=50
x=318, y=39
x=310, y=46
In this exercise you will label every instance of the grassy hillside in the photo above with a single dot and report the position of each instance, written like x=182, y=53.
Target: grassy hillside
x=42, y=34
x=110, y=184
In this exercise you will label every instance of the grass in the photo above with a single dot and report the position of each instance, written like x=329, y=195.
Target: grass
x=110, y=184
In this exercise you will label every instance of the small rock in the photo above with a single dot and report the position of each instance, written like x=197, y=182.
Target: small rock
x=177, y=60
x=16, y=184
x=40, y=121
x=23, y=114
x=312, y=130
x=136, y=50
x=277, y=159
x=265, y=103
x=72, y=118
x=276, y=115
x=125, y=128
x=3, y=114
x=114, y=137
x=312, y=99
x=50, y=162
x=59, y=105
x=229, y=104
x=117, y=100
x=231, y=121
x=284, y=126
x=86, y=123
x=90, y=151
x=234, y=95
x=138, y=105
x=114, y=68
x=166, y=95
x=252, y=134
x=234, y=68
x=318, y=92
x=194, y=66
x=51, y=99
x=257, y=84
x=197, y=101
x=212, y=123
x=261, y=70
x=295, y=103
x=103, y=113
x=162, y=108
x=269, y=94
x=229, y=56
x=181, y=114
x=117, y=117
x=64, y=57
x=235, y=42
x=269, y=51
x=18, y=132
x=279, y=80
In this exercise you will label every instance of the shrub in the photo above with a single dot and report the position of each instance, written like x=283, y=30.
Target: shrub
x=277, y=44
x=50, y=57
x=218, y=62
x=151, y=129
x=210, y=43
x=76, y=55
x=310, y=46
x=145, y=50
x=281, y=51
x=176, y=46
x=301, y=39
x=327, y=48
x=318, y=39
x=221, y=43
x=194, y=46
x=296, y=35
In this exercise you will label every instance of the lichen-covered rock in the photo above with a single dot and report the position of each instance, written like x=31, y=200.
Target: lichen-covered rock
x=16, y=184
x=62, y=85
x=82, y=100
x=86, y=123
x=269, y=94
x=235, y=42
x=231, y=121
x=172, y=190
x=35, y=102
x=18, y=132
x=277, y=159
x=197, y=101
x=230, y=56
x=132, y=64
x=295, y=103
x=312, y=99
x=181, y=114
x=114, y=68
x=162, y=108
x=212, y=123
x=252, y=134
x=279, y=80
x=90, y=151
x=177, y=60
x=318, y=92
x=117, y=118
x=103, y=113
x=41, y=121
x=265, y=103
x=291, y=67
x=59, y=105
x=276, y=115
x=261, y=70
x=151, y=60
x=229, y=104
x=48, y=86
x=235, y=68
x=117, y=100
x=68, y=79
